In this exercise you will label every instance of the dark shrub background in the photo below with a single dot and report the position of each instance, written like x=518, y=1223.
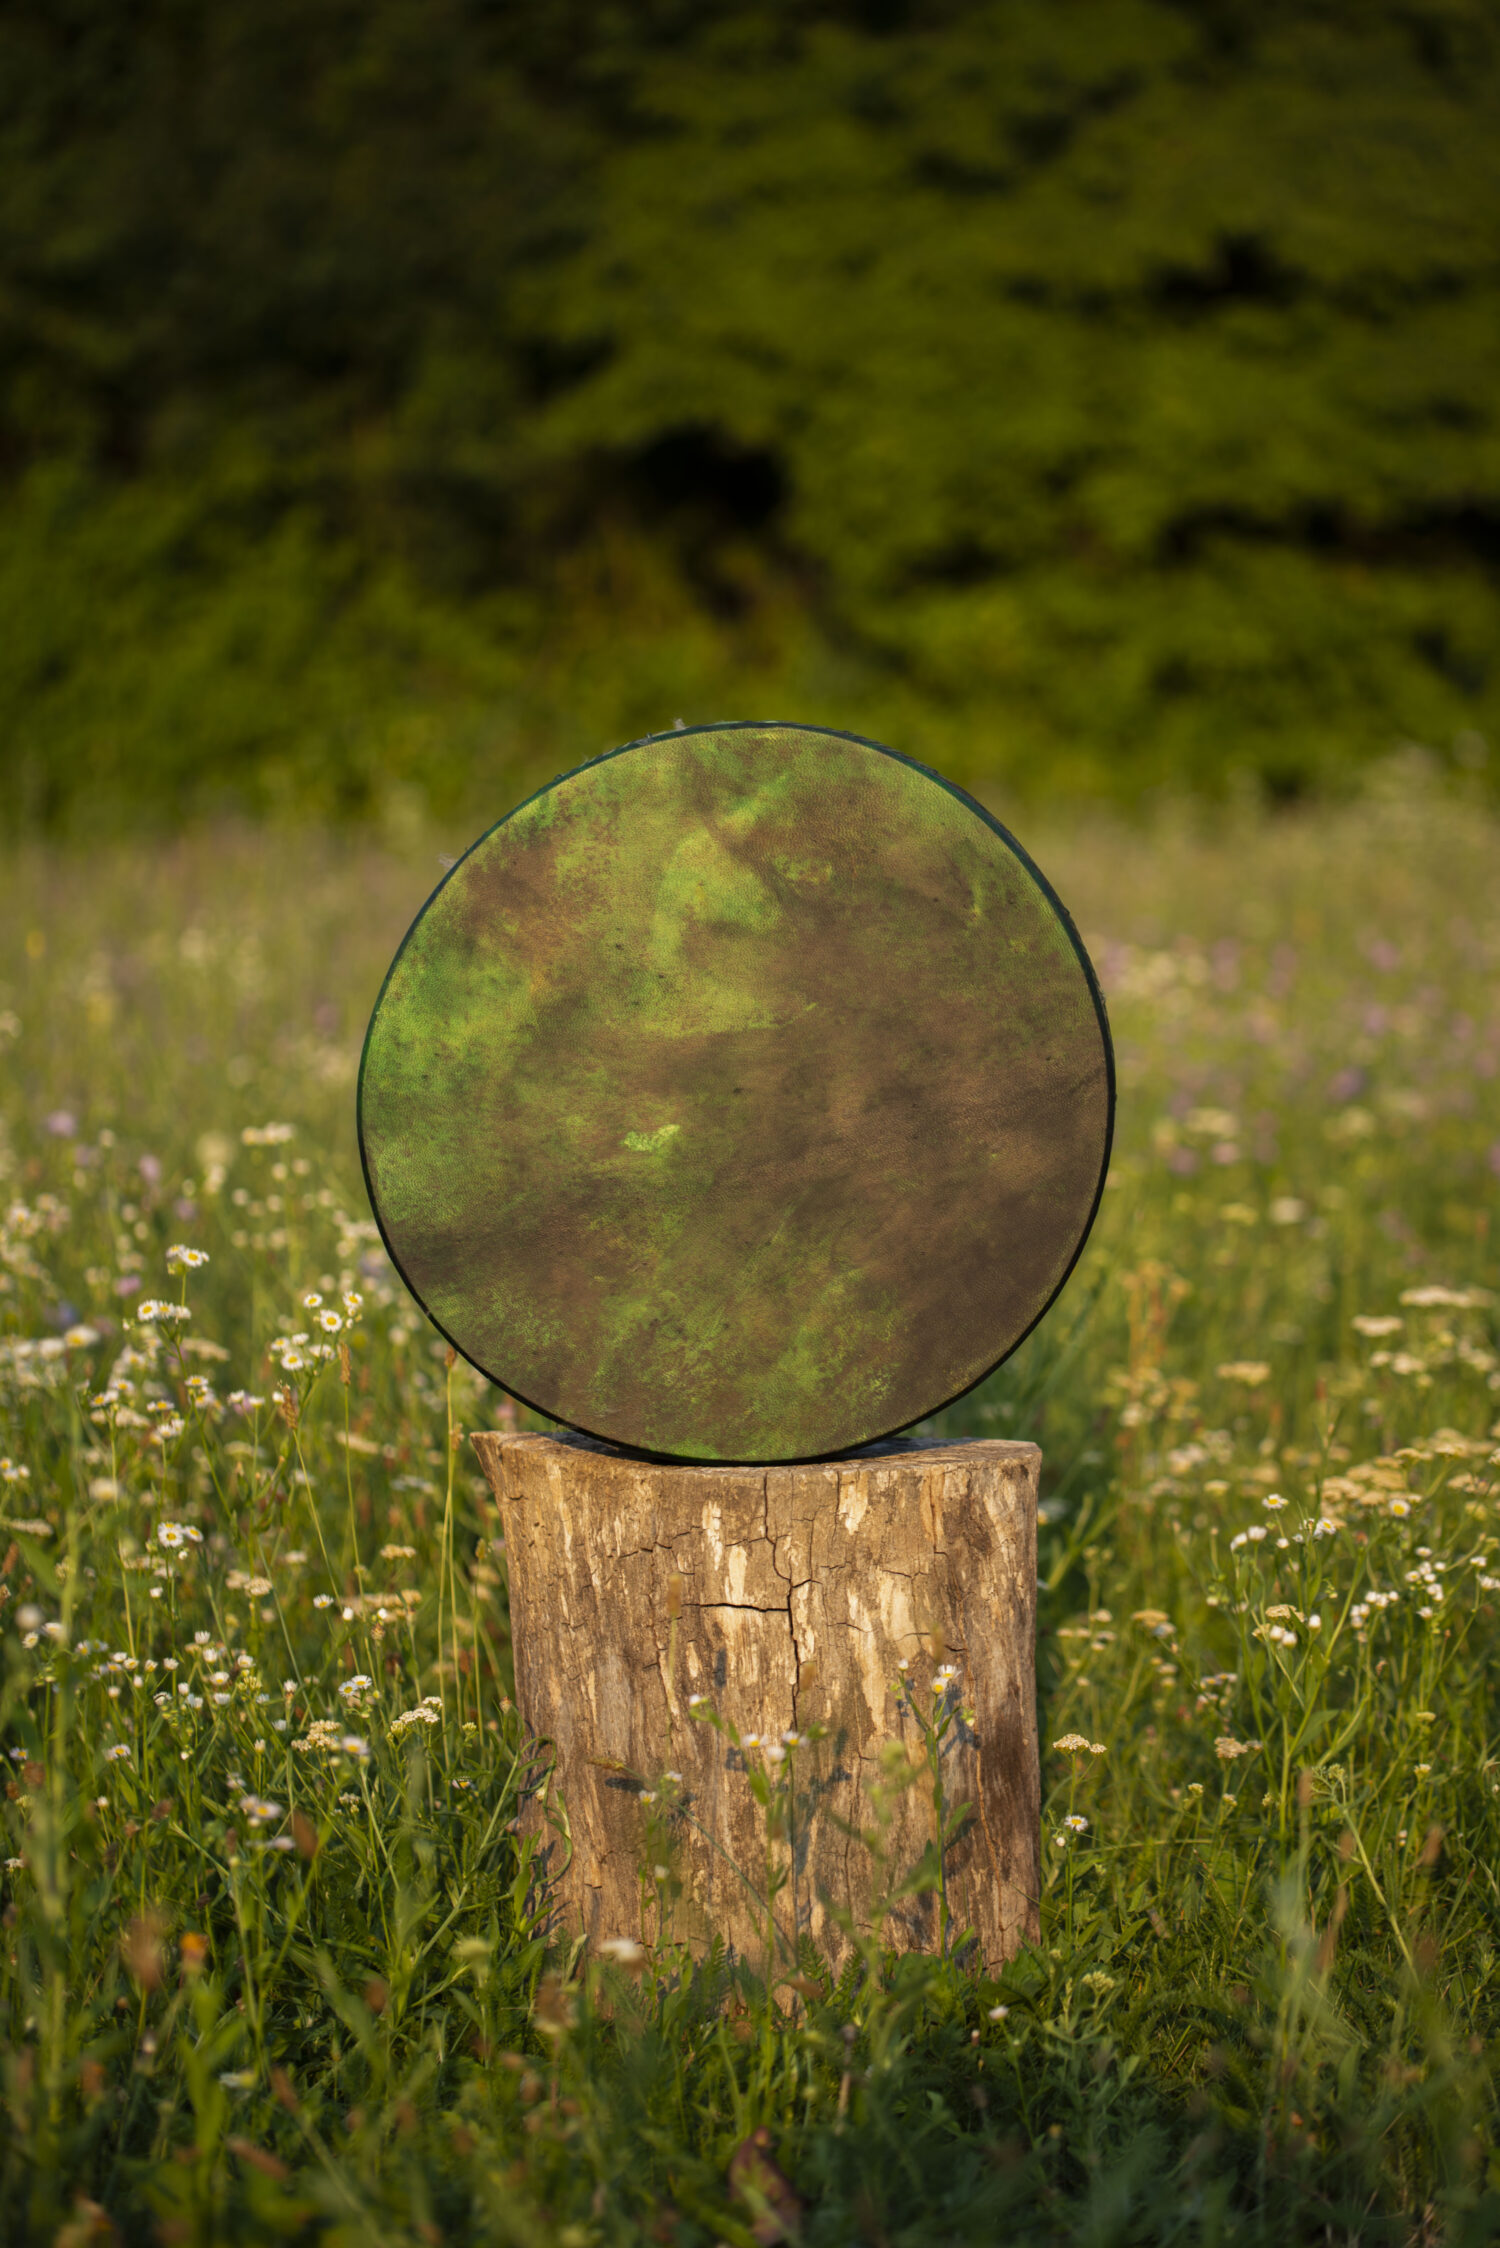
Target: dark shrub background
x=402, y=399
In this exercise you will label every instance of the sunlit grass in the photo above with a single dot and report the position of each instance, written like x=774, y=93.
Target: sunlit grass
x=276, y=1960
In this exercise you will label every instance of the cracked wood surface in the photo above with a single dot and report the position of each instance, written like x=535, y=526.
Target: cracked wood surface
x=799, y=1589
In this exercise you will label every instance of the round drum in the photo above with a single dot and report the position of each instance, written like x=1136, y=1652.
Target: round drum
x=745, y=1095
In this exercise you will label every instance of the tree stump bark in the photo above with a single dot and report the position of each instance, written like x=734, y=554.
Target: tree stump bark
x=788, y=1598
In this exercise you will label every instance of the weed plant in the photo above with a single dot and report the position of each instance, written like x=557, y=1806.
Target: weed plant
x=275, y=1957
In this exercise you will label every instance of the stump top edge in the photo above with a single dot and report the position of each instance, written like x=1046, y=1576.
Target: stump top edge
x=895, y=1451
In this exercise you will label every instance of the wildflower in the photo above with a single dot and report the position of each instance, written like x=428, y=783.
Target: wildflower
x=175, y=1535
x=350, y=1744
x=1315, y=1623
x=12, y=1472
x=292, y=1360
x=181, y=1259
x=267, y=1135
x=1227, y=1748
x=322, y=1599
x=1211, y=1123
x=117, y=1753
x=330, y=1322
x=409, y=1553
x=312, y=1300
x=623, y=1950
x=14, y=1865
x=696, y=1701
x=354, y=1687
x=1072, y=1743
x=998, y=2013
x=1249, y=1371
x=1422, y=1770
x=323, y=1733
x=257, y=1809
x=353, y=1305
x=155, y=1313
x=429, y=1712
x=943, y=1678
x=1060, y=1841
x=1076, y=1823
x=1376, y=1327
x=1274, y=1501
x=1400, y=1507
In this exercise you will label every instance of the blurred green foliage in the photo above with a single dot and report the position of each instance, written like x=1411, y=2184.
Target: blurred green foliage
x=414, y=396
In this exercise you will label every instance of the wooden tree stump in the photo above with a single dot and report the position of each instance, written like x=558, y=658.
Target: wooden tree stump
x=787, y=1597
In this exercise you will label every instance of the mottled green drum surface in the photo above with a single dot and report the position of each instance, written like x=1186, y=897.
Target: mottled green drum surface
x=745, y=1095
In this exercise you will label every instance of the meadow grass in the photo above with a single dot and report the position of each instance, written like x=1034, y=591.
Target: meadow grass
x=275, y=1960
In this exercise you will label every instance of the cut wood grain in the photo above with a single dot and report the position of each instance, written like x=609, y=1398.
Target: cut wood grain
x=787, y=1598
